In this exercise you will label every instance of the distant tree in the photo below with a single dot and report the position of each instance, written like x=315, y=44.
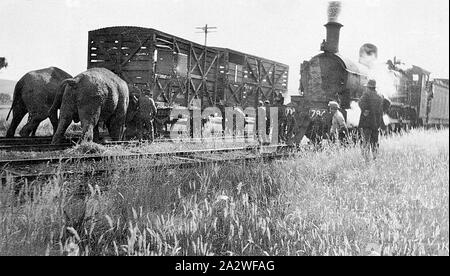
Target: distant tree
x=3, y=63
x=5, y=98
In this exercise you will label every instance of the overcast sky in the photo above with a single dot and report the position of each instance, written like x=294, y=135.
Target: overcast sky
x=41, y=33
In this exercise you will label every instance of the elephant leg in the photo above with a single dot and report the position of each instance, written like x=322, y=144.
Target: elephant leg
x=89, y=120
x=63, y=124
x=87, y=130
x=96, y=134
x=33, y=133
x=53, y=116
x=151, y=131
x=19, y=111
x=141, y=130
x=116, y=127
x=32, y=125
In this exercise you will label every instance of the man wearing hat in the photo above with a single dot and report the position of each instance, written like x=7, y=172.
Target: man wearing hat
x=371, y=119
x=338, y=129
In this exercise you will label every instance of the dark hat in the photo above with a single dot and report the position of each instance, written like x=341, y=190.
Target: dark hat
x=372, y=84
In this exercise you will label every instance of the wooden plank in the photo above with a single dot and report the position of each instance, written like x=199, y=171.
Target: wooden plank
x=138, y=65
x=135, y=51
x=142, y=76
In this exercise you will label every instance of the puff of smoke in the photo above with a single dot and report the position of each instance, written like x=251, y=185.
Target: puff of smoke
x=386, y=119
x=334, y=9
x=385, y=78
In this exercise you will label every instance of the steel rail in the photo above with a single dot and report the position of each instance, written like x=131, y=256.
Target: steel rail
x=183, y=163
x=86, y=158
x=43, y=143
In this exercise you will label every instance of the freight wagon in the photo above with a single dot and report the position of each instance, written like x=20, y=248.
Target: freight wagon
x=409, y=102
x=438, y=106
x=178, y=72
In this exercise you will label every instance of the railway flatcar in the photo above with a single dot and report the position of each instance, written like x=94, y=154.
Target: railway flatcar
x=178, y=72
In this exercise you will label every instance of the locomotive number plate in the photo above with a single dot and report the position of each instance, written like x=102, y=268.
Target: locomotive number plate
x=317, y=112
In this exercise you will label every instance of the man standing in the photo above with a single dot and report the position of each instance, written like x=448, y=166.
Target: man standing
x=267, y=108
x=260, y=119
x=290, y=123
x=148, y=113
x=338, y=131
x=371, y=119
x=281, y=120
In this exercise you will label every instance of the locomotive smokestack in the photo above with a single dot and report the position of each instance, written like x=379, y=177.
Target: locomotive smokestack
x=333, y=28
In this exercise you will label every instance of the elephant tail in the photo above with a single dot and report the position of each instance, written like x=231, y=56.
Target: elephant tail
x=59, y=95
x=16, y=96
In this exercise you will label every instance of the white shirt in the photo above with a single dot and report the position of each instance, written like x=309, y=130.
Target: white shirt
x=337, y=122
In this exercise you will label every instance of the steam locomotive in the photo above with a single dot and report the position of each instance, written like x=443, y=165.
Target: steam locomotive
x=330, y=76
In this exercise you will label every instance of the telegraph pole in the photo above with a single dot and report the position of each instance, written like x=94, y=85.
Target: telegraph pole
x=206, y=30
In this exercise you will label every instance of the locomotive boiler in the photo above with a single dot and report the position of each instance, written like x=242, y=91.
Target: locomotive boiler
x=327, y=77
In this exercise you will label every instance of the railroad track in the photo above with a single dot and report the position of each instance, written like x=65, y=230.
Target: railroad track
x=31, y=169
x=43, y=143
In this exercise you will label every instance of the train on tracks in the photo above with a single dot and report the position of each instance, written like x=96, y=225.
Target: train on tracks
x=177, y=72
x=330, y=76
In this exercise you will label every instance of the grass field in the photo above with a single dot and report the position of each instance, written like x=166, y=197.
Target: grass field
x=323, y=203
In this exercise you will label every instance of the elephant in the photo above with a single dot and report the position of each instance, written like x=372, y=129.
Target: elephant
x=34, y=93
x=140, y=116
x=92, y=96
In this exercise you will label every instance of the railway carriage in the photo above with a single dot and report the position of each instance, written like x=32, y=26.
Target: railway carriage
x=178, y=72
x=438, y=105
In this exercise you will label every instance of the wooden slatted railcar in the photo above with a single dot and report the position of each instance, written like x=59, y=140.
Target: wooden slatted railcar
x=178, y=71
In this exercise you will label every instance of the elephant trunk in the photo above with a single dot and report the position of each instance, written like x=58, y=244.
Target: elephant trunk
x=63, y=124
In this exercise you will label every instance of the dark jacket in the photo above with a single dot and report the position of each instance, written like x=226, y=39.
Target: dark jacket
x=371, y=104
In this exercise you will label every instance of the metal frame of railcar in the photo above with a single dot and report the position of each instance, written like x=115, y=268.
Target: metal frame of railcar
x=178, y=71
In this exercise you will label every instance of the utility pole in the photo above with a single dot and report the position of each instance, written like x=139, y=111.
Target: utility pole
x=206, y=30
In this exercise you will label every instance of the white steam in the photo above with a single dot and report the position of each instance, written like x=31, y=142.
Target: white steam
x=379, y=71
x=386, y=85
x=385, y=78
x=386, y=119
x=353, y=115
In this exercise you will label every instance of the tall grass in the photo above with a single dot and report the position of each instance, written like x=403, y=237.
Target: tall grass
x=321, y=203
